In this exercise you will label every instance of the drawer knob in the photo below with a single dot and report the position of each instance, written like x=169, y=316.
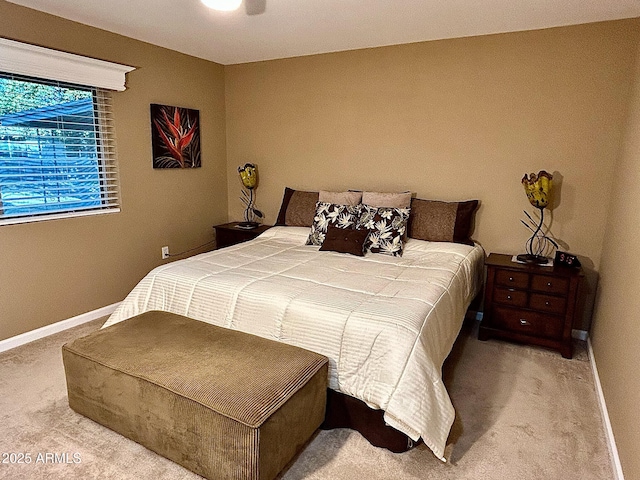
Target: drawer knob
x=547, y=303
x=524, y=322
x=548, y=284
x=508, y=297
x=511, y=279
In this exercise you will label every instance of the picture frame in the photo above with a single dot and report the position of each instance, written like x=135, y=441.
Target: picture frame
x=175, y=137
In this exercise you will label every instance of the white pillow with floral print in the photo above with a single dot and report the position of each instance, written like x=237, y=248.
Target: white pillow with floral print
x=341, y=216
x=387, y=228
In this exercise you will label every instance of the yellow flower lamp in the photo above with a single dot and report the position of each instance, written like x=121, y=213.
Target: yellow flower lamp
x=249, y=177
x=538, y=190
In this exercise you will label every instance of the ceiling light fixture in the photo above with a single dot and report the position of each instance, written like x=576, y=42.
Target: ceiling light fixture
x=222, y=5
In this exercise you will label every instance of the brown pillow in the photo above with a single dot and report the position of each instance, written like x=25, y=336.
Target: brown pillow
x=298, y=208
x=437, y=221
x=342, y=216
x=344, y=241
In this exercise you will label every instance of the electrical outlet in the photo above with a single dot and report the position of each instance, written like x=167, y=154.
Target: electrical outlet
x=165, y=252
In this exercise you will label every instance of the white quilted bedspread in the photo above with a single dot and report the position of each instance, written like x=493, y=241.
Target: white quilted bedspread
x=386, y=323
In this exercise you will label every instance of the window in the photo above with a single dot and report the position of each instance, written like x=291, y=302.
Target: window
x=56, y=148
x=57, y=145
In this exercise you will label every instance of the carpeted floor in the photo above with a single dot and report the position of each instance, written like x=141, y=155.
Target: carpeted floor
x=522, y=413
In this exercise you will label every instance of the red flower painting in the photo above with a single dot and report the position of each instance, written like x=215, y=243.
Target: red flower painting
x=175, y=137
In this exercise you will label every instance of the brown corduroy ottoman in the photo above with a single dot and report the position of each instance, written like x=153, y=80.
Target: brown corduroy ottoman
x=222, y=403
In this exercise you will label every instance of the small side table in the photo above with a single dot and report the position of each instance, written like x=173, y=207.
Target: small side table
x=530, y=304
x=229, y=234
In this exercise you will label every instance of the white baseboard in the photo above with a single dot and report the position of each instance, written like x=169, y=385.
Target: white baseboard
x=611, y=441
x=47, y=330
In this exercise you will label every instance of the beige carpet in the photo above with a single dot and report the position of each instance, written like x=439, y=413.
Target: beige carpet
x=522, y=413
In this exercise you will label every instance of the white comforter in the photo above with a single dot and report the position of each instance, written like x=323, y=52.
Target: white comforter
x=386, y=323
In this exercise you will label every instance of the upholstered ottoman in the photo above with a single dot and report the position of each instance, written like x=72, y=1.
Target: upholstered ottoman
x=222, y=403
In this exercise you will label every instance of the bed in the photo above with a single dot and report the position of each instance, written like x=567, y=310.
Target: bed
x=387, y=323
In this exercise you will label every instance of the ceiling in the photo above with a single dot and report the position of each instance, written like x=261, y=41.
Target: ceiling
x=289, y=28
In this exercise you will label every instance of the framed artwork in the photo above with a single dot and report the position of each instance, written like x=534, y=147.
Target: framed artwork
x=175, y=137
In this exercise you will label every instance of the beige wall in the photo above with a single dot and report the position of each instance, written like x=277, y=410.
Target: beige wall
x=56, y=269
x=616, y=327
x=450, y=120
x=466, y=118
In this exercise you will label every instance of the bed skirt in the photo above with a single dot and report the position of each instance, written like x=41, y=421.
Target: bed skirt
x=344, y=411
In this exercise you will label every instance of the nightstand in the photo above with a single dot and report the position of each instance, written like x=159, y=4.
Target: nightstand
x=530, y=304
x=229, y=234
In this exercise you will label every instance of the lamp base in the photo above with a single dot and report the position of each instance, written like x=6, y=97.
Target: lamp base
x=533, y=259
x=248, y=225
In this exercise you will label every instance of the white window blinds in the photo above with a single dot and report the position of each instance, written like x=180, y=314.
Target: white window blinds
x=57, y=147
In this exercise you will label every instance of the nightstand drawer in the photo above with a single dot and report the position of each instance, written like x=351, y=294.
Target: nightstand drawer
x=512, y=279
x=509, y=296
x=527, y=323
x=549, y=284
x=548, y=303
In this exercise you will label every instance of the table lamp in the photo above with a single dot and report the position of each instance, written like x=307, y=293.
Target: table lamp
x=538, y=190
x=249, y=177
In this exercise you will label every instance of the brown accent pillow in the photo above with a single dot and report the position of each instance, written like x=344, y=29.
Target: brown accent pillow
x=298, y=208
x=391, y=200
x=344, y=241
x=438, y=221
x=342, y=216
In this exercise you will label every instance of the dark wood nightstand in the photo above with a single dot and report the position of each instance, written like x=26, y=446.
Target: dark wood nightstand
x=229, y=234
x=530, y=304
